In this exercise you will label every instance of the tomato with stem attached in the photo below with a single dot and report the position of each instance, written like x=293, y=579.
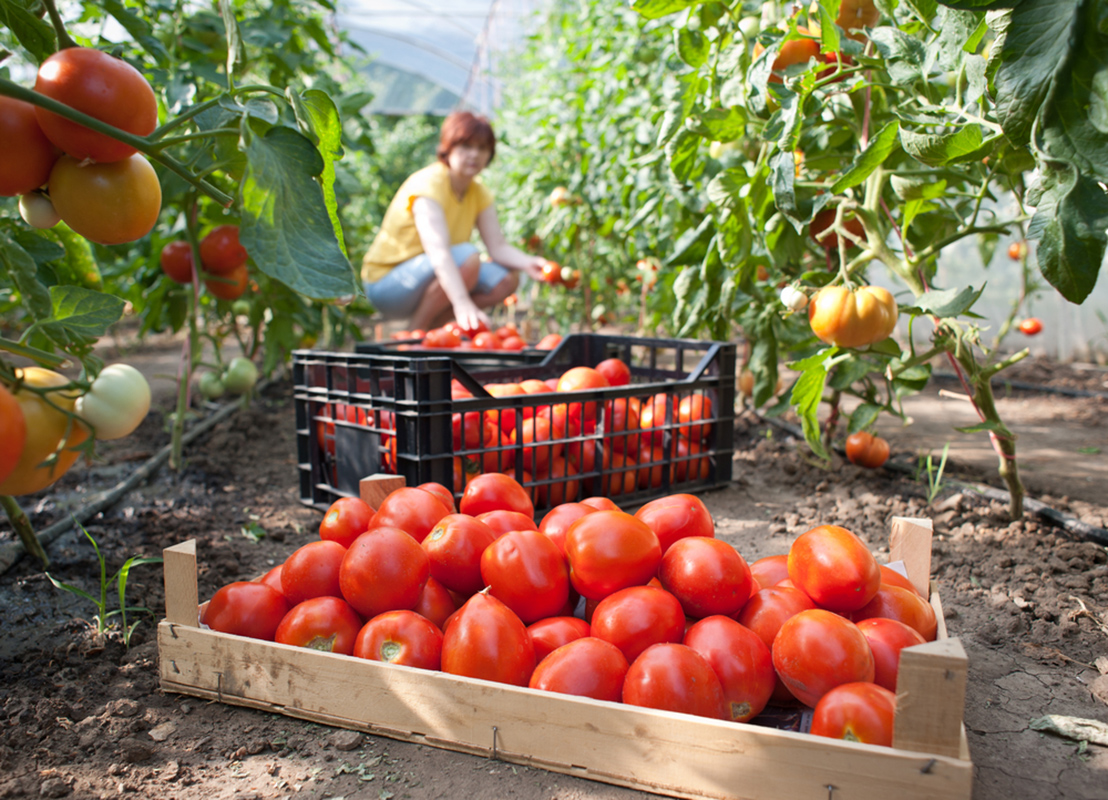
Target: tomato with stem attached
x=110, y=203
x=328, y=624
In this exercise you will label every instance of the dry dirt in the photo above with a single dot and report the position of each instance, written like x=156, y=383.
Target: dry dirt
x=82, y=716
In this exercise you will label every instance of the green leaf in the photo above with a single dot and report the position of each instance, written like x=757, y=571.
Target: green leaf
x=938, y=150
x=862, y=417
x=18, y=263
x=949, y=302
x=763, y=361
x=904, y=55
x=1070, y=221
x=322, y=119
x=80, y=315
x=692, y=244
x=141, y=30
x=285, y=224
x=880, y=148
x=782, y=166
x=723, y=190
x=656, y=9
x=987, y=425
x=807, y=393
x=227, y=12
x=1034, y=42
x=978, y=5
x=681, y=151
x=693, y=47
x=34, y=34
x=924, y=9
x=723, y=124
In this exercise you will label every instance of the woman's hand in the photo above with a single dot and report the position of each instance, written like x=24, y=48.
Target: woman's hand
x=533, y=266
x=468, y=316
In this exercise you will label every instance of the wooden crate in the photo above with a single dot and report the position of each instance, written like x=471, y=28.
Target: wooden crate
x=668, y=753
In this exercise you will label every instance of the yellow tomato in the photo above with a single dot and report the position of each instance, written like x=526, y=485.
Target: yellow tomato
x=107, y=203
x=848, y=318
x=13, y=432
x=46, y=426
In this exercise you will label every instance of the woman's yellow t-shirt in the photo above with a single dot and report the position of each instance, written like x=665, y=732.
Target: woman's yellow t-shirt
x=398, y=240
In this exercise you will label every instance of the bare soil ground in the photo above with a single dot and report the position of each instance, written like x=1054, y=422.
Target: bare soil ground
x=82, y=716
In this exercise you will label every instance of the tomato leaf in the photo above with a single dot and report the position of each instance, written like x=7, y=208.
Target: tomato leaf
x=681, y=151
x=19, y=264
x=723, y=190
x=36, y=35
x=807, y=393
x=284, y=223
x=988, y=425
x=1070, y=221
x=862, y=417
x=1034, y=45
x=938, y=150
x=948, y=302
x=141, y=30
x=880, y=148
x=81, y=316
x=978, y=5
x=904, y=55
x=723, y=124
x=316, y=111
x=692, y=244
x=693, y=47
x=656, y=9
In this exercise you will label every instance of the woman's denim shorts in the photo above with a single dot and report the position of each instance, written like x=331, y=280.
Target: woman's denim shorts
x=397, y=295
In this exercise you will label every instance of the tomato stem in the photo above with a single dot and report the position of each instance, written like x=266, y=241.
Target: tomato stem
x=64, y=39
x=23, y=529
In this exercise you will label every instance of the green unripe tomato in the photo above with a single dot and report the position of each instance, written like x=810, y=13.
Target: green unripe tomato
x=37, y=210
x=241, y=375
x=240, y=308
x=211, y=387
x=116, y=402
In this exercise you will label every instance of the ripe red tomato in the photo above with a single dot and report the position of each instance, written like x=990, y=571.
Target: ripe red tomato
x=694, y=408
x=526, y=571
x=637, y=617
x=435, y=603
x=621, y=426
x=867, y=450
x=579, y=379
x=558, y=519
x=895, y=602
x=652, y=418
x=27, y=155
x=600, y=503
x=329, y=624
x=834, y=567
x=686, y=466
x=412, y=510
x=1031, y=326
x=551, y=633
x=676, y=516
x=890, y=577
x=741, y=661
x=585, y=667
x=384, y=570
x=707, y=575
x=535, y=435
x=272, y=578
x=1017, y=250
x=552, y=273
x=230, y=286
x=486, y=341
x=454, y=547
x=823, y=220
x=111, y=203
x=313, y=571
x=502, y=521
x=610, y=550
x=549, y=342
x=887, y=637
x=107, y=88
x=770, y=570
x=817, y=650
x=765, y=613
x=486, y=640
x=176, y=261
x=494, y=491
x=246, y=608
x=220, y=251
x=346, y=519
x=441, y=492
x=856, y=712
x=400, y=637
x=674, y=677
x=615, y=371
x=441, y=338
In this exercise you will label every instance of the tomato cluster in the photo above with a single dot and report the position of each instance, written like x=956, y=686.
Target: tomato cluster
x=101, y=187
x=222, y=256
x=648, y=609
x=555, y=274
x=451, y=336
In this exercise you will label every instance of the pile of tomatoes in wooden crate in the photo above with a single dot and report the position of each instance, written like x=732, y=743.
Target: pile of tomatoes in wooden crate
x=648, y=609
x=452, y=336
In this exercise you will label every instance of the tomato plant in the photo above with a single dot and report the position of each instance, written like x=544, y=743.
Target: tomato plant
x=817, y=650
x=400, y=637
x=487, y=640
x=385, y=569
x=103, y=87
x=107, y=203
x=246, y=608
x=637, y=617
x=329, y=624
x=116, y=403
x=674, y=677
x=741, y=661
x=867, y=450
x=856, y=712
x=834, y=567
x=345, y=520
x=585, y=667
x=28, y=155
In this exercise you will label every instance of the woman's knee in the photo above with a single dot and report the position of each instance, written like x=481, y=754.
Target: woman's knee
x=470, y=270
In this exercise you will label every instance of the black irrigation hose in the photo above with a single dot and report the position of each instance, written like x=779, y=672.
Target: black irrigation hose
x=1028, y=387
x=11, y=552
x=1067, y=523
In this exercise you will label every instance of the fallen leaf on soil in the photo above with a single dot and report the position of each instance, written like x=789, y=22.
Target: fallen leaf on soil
x=1076, y=728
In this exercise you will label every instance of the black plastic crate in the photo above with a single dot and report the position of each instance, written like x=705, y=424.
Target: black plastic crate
x=363, y=413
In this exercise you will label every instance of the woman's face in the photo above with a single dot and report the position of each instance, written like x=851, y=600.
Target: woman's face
x=468, y=159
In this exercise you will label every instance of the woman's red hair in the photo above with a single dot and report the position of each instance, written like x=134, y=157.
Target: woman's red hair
x=463, y=127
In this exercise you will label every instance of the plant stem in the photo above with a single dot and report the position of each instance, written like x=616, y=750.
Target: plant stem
x=64, y=39
x=140, y=143
x=23, y=529
x=1004, y=443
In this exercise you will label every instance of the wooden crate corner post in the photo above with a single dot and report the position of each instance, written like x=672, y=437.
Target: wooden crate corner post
x=375, y=488
x=182, y=597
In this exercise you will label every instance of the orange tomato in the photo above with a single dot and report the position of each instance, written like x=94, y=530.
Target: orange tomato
x=852, y=318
